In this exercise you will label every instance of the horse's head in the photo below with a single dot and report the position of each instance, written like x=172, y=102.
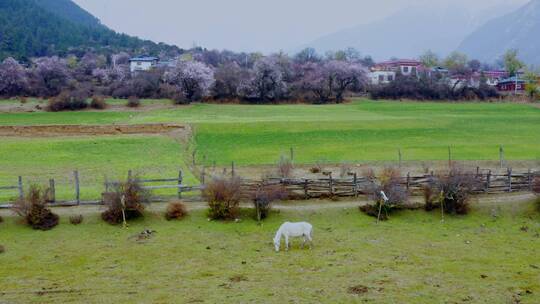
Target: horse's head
x=276, y=244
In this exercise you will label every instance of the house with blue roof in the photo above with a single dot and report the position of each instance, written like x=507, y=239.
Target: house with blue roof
x=142, y=63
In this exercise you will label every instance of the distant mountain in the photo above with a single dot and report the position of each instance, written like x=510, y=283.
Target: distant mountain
x=32, y=28
x=409, y=32
x=518, y=30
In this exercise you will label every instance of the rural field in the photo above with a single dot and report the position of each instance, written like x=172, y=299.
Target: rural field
x=490, y=255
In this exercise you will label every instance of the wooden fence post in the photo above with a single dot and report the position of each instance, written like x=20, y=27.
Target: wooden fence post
x=203, y=175
x=449, y=157
x=356, y=187
x=488, y=181
x=529, y=180
x=106, y=185
x=292, y=154
x=306, y=192
x=331, y=184
x=180, y=178
x=501, y=156
x=52, y=191
x=400, y=157
x=20, y=187
x=509, y=179
x=408, y=180
x=232, y=169
x=77, y=187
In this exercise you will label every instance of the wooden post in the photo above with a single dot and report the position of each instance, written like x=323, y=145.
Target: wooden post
x=408, y=180
x=232, y=169
x=193, y=155
x=477, y=171
x=130, y=175
x=356, y=187
x=331, y=184
x=180, y=178
x=501, y=156
x=400, y=157
x=449, y=157
x=306, y=192
x=509, y=179
x=52, y=191
x=203, y=174
x=529, y=180
x=77, y=187
x=488, y=181
x=292, y=154
x=20, y=187
x=106, y=185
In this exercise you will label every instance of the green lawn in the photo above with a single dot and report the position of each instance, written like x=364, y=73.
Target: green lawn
x=38, y=160
x=362, y=130
x=358, y=131
x=413, y=258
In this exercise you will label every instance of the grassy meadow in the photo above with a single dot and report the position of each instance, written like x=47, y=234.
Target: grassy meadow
x=413, y=258
x=359, y=131
x=96, y=158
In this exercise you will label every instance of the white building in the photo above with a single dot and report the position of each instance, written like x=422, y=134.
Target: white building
x=142, y=63
x=381, y=77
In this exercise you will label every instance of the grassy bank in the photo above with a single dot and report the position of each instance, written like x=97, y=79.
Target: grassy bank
x=413, y=258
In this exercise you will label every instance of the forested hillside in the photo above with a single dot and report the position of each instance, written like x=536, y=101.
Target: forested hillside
x=33, y=28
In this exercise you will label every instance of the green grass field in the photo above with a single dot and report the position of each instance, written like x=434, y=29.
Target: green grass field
x=95, y=158
x=413, y=258
x=359, y=131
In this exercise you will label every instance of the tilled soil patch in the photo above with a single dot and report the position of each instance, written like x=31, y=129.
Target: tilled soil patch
x=89, y=130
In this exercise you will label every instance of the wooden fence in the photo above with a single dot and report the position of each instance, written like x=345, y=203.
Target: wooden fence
x=327, y=186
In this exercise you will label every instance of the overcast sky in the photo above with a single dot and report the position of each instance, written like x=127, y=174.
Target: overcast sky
x=252, y=25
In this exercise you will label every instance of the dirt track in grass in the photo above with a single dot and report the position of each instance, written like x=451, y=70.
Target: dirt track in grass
x=91, y=130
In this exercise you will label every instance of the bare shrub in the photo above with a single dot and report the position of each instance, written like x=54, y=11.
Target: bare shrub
x=76, y=219
x=125, y=202
x=452, y=191
x=175, y=210
x=223, y=196
x=396, y=194
x=315, y=170
x=133, y=102
x=344, y=169
x=285, y=167
x=23, y=99
x=369, y=173
x=98, y=103
x=264, y=196
x=33, y=208
x=68, y=101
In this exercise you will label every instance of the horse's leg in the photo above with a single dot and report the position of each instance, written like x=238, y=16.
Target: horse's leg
x=304, y=242
x=286, y=243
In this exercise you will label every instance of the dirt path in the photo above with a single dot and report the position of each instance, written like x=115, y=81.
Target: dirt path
x=90, y=130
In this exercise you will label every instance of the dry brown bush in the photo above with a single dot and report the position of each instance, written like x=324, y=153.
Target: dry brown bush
x=133, y=102
x=285, y=167
x=223, y=196
x=76, y=219
x=98, y=103
x=175, y=210
x=264, y=196
x=33, y=208
x=125, y=202
x=389, y=183
x=451, y=190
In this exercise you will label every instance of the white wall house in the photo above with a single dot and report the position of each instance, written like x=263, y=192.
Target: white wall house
x=142, y=63
x=381, y=77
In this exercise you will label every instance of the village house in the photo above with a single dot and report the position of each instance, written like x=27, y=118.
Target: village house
x=511, y=85
x=142, y=63
x=386, y=71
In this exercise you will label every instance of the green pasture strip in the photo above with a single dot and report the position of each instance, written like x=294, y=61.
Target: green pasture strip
x=413, y=258
x=39, y=159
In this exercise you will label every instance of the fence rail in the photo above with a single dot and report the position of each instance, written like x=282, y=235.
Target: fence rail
x=327, y=186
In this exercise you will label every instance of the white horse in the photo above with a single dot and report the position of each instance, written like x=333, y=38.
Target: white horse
x=290, y=230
